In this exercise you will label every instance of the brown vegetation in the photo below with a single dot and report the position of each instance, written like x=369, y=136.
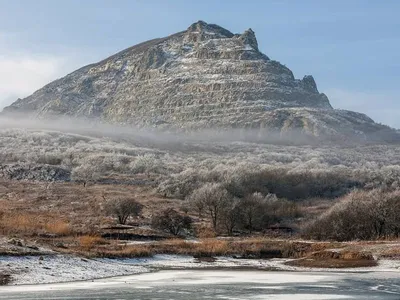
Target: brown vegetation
x=73, y=219
x=87, y=242
x=32, y=224
x=332, y=263
x=391, y=253
x=335, y=259
x=209, y=247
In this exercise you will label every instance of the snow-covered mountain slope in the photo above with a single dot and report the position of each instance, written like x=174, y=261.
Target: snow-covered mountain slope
x=203, y=77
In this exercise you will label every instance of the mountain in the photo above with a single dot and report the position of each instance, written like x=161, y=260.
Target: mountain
x=203, y=77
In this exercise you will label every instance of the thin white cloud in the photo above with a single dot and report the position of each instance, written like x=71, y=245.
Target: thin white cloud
x=382, y=107
x=21, y=76
x=23, y=72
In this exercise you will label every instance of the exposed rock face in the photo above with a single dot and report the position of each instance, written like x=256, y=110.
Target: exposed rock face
x=36, y=172
x=203, y=77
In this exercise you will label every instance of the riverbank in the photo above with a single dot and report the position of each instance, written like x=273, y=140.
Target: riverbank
x=24, y=262
x=66, y=268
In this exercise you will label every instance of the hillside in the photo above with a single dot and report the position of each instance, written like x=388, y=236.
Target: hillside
x=203, y=77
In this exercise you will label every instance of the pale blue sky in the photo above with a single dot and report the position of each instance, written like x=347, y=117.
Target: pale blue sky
x=352, y=48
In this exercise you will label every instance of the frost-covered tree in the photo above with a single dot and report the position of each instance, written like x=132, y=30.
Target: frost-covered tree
x=146, y=163
x=213, y=198
x=85, y=174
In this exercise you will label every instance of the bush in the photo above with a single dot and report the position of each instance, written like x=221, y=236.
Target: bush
x=171, y=222
x=123, y=208
x=147, y=164
x=85, y=174
x=360, y=215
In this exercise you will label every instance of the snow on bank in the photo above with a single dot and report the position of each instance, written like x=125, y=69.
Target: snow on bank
x=62, y=268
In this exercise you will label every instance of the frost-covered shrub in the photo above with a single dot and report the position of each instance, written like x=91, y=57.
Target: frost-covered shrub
x=147, y=163
x=85, y=174
x=182, y=184
x=325, y=170
x=360, y=215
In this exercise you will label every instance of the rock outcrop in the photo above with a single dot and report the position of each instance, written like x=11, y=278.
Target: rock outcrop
x=203, y=77
x=34, y=172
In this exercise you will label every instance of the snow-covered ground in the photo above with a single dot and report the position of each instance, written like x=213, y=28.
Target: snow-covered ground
x=62, y=268
x=65, y=268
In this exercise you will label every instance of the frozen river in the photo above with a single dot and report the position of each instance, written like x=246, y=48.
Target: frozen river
x=220, y=284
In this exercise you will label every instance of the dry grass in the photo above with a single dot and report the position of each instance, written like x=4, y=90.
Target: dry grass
x=332, y=263
x=128, y=251
x=345, y=255
x=245, y=248
x=174, y=246
x=205, y=248
x=212, y=247
x=12, y=223
x=336, y=259
x=88, y=242
x=30, y=205
x=204, y=231
x=32, y=224
x=58, y=227
x=391, y=253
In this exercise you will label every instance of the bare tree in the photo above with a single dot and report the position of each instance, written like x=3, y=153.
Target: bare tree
x=123, y=208
x=213, y=198
x=252, y=208
x=171, y=221
x=231, y=216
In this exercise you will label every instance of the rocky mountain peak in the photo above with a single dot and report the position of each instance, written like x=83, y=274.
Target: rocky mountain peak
x=211, y=30
x=309, y=83
x=203, y=77
x=249, y=38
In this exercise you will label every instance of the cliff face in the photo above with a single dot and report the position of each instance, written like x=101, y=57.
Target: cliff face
x=203, y=77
